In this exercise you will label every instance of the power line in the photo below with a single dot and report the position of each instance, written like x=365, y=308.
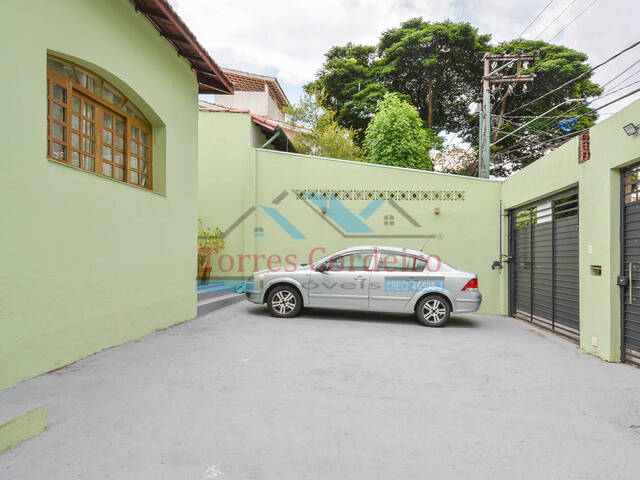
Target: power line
x=627, y=78
x=572, y=134
x=574, y=19
x=537, y=17
x=569, y=82
x=556, y=18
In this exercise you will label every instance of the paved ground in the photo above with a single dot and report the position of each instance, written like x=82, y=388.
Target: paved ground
x=236, y=394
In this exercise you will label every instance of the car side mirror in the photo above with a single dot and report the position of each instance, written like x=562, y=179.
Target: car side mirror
x=323, y=267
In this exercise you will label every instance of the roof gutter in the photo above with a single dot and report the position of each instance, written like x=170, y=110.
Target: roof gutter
x=273, y=138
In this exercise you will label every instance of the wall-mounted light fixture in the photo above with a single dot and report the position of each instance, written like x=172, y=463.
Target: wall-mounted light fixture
x=631, y=129
x=436, y=210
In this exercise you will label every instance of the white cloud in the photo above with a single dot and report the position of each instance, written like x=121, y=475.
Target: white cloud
x=289, y=38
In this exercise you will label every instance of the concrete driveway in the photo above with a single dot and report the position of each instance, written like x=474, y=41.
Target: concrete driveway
x=236, y=394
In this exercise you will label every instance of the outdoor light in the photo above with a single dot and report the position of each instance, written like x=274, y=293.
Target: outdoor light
x=630, y=129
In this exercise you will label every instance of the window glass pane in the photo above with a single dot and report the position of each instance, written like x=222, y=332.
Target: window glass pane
x=89, y=128
x=108, y=120
x=58, y=151
x=119, y=173
x=111, y=95
x=75, y=140
x=75, y=104
x=75, y=159
x=59, y=132
x=131, y=110
x=88, y=81
x=135, y=132
x=120, y=142
x=61, y=67
x=89, y=145
x=89, y=110
x=107, y=153
x=119, y=126
x=59, y=93
x=143, y=180
x=107, y=136
x=88, y=163
x=133, y=146
x=145, y=137
x=134, y=177
x=397, y=262
x=75, y=122
x=118, y=157
x=143, y=151
x=144, y=166
x=353, y=262
x=133, y=162
x=59, y=113
x=106, y=169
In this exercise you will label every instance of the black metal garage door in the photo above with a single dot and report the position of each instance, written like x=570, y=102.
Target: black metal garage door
x=543, y=282
x=631, y=265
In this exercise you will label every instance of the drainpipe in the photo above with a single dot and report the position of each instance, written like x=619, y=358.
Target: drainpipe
x=272, y=139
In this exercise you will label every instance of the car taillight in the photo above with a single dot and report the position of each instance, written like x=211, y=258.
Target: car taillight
x=471, y=285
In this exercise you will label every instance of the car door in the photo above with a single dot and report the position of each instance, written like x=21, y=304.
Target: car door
x=393, y=281
x=342, y=281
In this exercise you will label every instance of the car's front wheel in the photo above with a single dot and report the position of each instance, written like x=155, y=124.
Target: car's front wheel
x=433, y=311
x=284, y=301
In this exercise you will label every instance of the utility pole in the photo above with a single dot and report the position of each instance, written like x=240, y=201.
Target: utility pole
x=490, y=78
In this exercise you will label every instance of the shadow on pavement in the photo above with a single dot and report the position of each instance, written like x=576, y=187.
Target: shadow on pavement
x=362, y=316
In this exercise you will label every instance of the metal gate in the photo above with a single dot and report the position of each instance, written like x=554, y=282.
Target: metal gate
x=630, y=240
x=544, y=277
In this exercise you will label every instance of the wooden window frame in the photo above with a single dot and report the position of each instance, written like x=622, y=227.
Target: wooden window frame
x=101, y=106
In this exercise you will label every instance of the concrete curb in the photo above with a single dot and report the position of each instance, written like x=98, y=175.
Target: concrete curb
x=213, y=304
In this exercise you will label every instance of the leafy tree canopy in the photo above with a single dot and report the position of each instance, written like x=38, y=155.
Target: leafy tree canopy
x=318, y=133
x=396, y=135
x=437, y=66
x=554, y=66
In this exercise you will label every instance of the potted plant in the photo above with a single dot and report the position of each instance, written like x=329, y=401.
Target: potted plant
x=209, y=240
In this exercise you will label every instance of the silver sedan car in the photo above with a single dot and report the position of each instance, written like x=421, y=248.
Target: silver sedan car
x=372, y=278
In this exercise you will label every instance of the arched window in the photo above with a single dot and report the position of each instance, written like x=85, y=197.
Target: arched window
x=91, y=125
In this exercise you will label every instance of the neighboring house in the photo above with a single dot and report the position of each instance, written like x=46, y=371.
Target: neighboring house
x=99, y=184
x=264, y=132
x=260, y=94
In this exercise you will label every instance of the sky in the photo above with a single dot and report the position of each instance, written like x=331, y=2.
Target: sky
x=288, y=38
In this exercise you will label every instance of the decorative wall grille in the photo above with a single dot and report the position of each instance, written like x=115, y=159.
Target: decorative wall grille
x=420, y=195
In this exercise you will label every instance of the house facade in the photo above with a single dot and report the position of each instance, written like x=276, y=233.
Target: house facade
x=260, y=94
x=99, y=185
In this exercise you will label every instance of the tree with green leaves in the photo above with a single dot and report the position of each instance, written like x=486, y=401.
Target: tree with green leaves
x=553, y=66
x=396, y=135
x=439, y=66
x=316, y=131
x=348, y=85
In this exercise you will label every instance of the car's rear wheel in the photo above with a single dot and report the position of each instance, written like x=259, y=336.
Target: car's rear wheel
x=433, y=311
x=284, y=301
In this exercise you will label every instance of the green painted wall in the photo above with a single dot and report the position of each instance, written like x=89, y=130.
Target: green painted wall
x=235, y=178
x=88, y=262
x=22, y=428
x=598, y=180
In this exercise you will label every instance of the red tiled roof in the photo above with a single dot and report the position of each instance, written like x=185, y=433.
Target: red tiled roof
x=254, y=82
x=210, y=77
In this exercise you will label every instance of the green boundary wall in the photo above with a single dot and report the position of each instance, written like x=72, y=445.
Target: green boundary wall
x=237, y=180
